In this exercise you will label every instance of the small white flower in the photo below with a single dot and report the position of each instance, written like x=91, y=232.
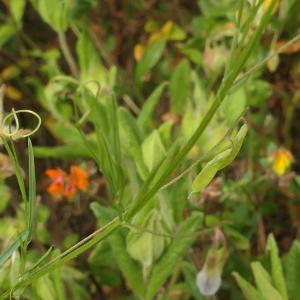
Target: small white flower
x=208, y=282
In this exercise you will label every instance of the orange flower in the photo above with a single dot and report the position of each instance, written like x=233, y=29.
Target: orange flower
x=56, y=188
x=70, y=190
x=79, y=177
x=66, y=185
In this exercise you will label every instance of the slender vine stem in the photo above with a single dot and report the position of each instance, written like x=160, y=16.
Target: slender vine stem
x=68, y=54
x=265, y=60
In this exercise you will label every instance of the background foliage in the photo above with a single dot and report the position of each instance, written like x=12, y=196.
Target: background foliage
x=169, y=131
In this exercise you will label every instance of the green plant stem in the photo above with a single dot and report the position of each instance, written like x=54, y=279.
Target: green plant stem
x=175, y=275
x=227, y=82
x=67, y=54
x=264, y=61
x=142, y=199
x=101, y=48
x=9, y=147
x=69, y=254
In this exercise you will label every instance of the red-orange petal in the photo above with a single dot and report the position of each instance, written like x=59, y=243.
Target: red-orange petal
x=70, y=190
x=56, y=189
x=79, y=177
x=55, y=173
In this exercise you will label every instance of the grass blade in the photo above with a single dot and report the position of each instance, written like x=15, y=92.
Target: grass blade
x=13, y=247
x=31, y=191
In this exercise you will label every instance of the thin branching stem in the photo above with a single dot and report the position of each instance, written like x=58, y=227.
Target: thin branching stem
x=68, y=54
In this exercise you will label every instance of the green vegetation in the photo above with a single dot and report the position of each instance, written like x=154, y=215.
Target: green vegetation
x=161, y=146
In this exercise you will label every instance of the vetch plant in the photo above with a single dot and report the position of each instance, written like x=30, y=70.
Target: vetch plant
x=10, y=133
x=141, y=224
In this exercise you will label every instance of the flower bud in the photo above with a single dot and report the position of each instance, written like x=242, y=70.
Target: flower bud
x=209, y=278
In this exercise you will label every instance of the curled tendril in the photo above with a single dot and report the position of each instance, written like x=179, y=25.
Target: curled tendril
x=82, y=86
x=100, y=91
x=14, y=114
x=10, y=134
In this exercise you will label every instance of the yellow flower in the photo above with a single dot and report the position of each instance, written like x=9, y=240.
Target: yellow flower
x=281, y=160
x=138, y=51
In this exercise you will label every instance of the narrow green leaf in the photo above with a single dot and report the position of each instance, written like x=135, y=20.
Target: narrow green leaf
x=29, y=203
x=7, y=31
x=104, y=155
x=150, y=58
x=9, y=147
x=179, y=86
x=17, y=9
x=7, y=253
x=15, y=268
x=165, y=132
x=44, y=288
x=131, y=269
x=249, y=291
x=71, y=151
x=131, y=138
x=194, y=54
x=292, y=268
x=153, y=150
x=277, y=272
x=145, y=116
x=31, y=192
x=234, y=105
x=104, y=214
x=91, y=67
x=177, y=249
x=55, y=12
x=112, y=77
x=263, y=282
x=39, y=262
x=64, y=131
x=153, y=179
x=58, y=284
x=239, y=240
x=115, y=130
x=5, y=196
